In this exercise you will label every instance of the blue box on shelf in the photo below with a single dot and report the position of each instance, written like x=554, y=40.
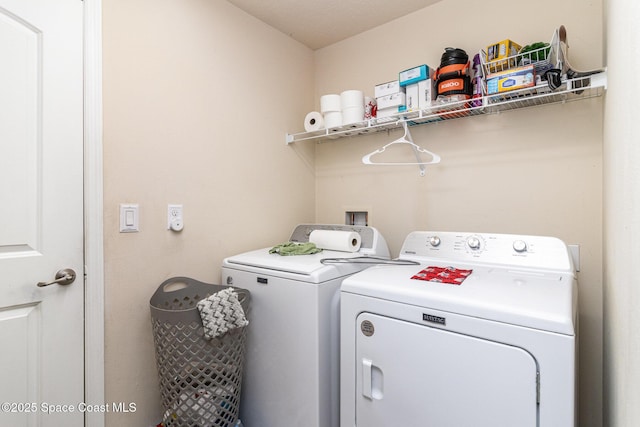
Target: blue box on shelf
x=414, y=75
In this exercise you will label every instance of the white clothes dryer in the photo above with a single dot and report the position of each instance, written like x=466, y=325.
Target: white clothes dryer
x=291, y=375
x=481, y=332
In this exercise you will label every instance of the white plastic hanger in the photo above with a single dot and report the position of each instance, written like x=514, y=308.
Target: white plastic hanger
x=404, y=139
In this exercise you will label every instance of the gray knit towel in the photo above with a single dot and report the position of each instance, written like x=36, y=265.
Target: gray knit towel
x=221, y=312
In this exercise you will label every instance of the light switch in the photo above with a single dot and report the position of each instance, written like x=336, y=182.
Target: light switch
x=129, y=218
x=129, y=215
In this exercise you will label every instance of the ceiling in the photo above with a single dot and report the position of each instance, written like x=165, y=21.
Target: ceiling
x=317, y=24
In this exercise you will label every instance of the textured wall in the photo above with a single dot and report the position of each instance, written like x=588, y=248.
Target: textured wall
x=532, y=171
x=198, y=97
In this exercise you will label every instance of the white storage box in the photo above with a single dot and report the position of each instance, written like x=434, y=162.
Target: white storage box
x=387, y=112
x=394, y=100
x=419, y=95
x=425, y=94
x=413, y=97
x=388, y=88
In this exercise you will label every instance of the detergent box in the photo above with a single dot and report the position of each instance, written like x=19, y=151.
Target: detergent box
x=516, y=78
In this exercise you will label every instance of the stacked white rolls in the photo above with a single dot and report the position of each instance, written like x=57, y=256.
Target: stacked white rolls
x=352, y=105
x=331, y=110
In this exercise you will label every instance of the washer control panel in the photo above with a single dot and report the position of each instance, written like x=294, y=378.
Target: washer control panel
x=473, y=242
x=503, y=249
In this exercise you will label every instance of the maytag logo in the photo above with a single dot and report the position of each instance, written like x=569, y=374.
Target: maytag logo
x=434, y=319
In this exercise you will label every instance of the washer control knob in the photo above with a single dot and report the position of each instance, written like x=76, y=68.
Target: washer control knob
x=434, y=241
x=520, y=246
x=473, y=242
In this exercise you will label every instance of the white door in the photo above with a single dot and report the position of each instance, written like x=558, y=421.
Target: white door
x=41, y=212
x=413, y=375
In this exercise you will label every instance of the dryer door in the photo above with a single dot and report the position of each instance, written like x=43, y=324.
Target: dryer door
x=413, y=375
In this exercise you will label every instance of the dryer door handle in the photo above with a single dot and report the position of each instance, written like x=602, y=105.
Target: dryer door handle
x=372, y=380
x=366, y=378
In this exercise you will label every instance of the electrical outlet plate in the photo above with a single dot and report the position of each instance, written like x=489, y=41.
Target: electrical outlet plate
x=174, y=213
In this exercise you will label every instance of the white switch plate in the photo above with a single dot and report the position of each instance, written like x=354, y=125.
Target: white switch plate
x=129, y=222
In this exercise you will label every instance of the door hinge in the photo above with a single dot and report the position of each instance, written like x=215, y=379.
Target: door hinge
x=538, y=387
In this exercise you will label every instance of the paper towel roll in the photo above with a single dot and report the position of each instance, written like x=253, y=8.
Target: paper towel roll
x=351, y=98
x=335, y=240
x=313, y=121
x=333, y=119
x=352, y=115
x=330, y=103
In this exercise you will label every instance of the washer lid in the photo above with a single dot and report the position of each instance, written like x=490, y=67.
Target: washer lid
x=307, y=268
x=544, y=300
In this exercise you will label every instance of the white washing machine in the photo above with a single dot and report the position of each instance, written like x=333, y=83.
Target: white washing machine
x=494, y=347
x=291, y=375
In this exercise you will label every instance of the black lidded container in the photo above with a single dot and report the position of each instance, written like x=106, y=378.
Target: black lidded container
x=452, y=56
x=452, y=77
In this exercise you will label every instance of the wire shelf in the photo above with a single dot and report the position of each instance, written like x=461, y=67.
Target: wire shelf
x=570, y=90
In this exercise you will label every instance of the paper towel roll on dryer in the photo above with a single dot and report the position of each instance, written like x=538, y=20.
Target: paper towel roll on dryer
x=334, y=240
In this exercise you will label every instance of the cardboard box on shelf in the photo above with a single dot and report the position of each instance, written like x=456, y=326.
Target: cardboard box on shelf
x=414, y=75
x=419, y=95
x=516, y=78
x=388, y=88
x=394, y=100
x=498, y=55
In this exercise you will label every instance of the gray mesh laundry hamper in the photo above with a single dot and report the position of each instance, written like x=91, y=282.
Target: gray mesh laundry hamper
x=199, y=378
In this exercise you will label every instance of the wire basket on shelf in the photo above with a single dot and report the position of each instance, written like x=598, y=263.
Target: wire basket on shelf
x=534, y=60
x=543, y=58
